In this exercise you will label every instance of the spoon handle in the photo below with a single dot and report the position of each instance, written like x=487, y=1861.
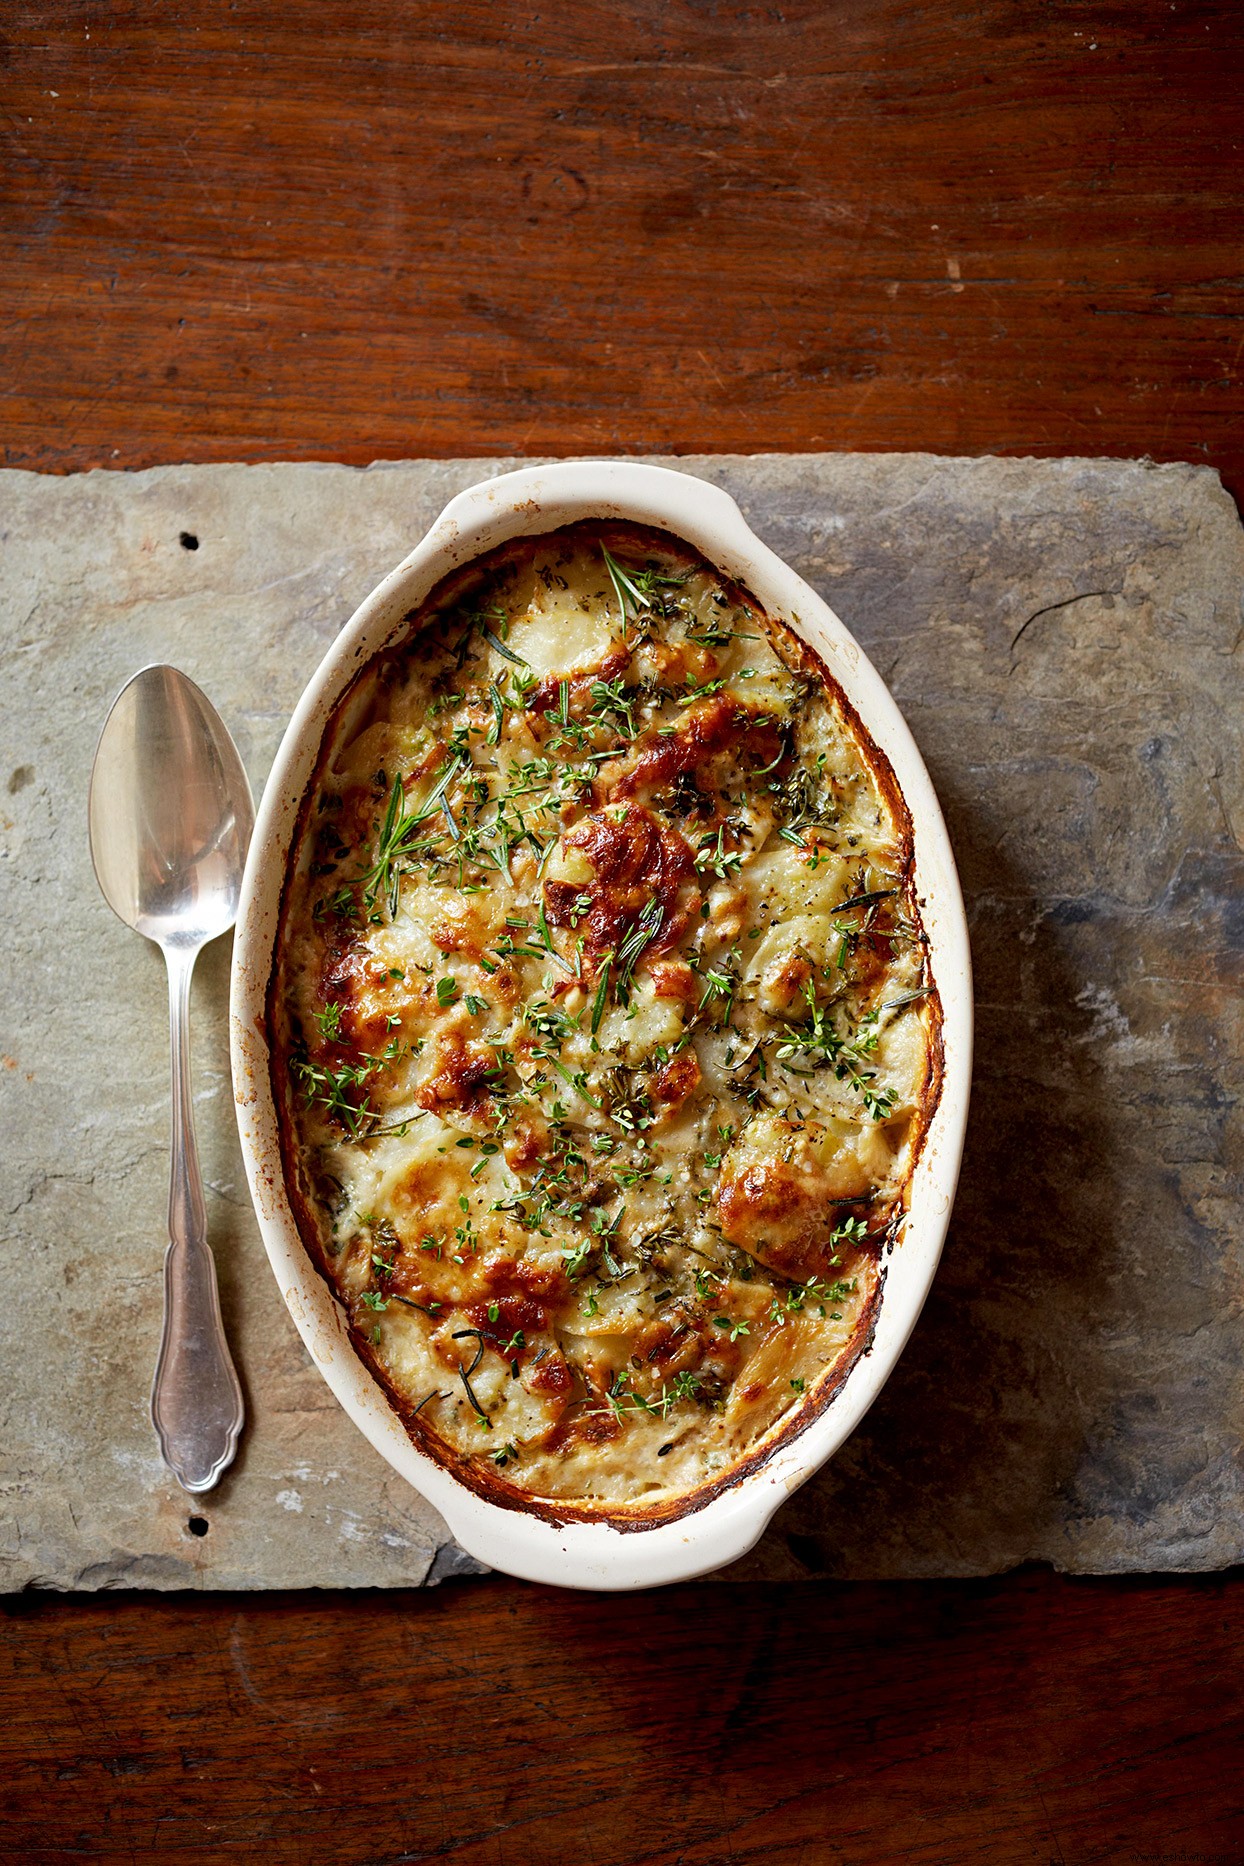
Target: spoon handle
x=196, y=1398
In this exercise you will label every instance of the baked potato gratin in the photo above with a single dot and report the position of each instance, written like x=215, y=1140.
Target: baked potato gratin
x=602, y=1030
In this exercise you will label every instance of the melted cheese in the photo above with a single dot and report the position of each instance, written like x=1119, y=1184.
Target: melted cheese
x=605, y=1034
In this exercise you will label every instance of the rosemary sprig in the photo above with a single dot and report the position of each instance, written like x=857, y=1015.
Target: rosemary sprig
x=598, y=1002
x=624, y=586
x=498, y=714
x=408, y=1304
x=494, y=641
x=546, y=940
x=642, y=934
x=866, y=900
x=396, y=842
x=476, y=619
x=464, y=1374
x=577, y=1081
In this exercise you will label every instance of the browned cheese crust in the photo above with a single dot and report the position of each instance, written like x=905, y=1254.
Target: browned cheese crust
x=604, y=1039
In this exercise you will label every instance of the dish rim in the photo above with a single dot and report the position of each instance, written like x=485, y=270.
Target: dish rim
x=525, y=502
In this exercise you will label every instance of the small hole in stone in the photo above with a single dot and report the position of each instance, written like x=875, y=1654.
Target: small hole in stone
x=198, y=1525
x=188, y=541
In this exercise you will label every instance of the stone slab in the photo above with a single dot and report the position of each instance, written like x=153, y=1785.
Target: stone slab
x=1063, y=638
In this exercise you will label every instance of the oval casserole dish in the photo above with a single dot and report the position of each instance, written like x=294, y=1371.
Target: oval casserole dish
x=526, y=1537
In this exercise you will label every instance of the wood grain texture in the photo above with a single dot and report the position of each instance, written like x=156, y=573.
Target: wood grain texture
x=492, y=1724
x=387, y=229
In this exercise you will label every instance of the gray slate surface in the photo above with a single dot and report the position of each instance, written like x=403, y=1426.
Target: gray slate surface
x=1062, y=637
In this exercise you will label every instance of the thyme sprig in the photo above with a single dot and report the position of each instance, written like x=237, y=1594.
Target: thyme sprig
x=821, y=1044
x=610, y=698
x=712, y=634
x=337, y=1090
x=621, y=1398
x=802, y=804
x=713, y=857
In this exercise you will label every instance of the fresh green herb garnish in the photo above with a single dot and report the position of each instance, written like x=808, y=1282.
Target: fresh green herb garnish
x=609, y=698
x=494, y=641
x=701, y=690
x=713, y=855
x=397, y=841
x=498, y=715
x=598, y=1002
x=337, y=1090
x=821, y=1045
x=464, y=1374
x=641, y=935
x=329, y=1021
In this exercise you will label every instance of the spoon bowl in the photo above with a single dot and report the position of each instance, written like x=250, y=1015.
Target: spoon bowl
x=170, y=819
x=170, y=811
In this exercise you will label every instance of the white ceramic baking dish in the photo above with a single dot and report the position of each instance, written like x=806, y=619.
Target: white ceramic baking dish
x=596, y=1554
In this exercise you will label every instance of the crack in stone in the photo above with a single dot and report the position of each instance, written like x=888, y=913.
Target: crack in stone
x=1051, y=609
x=41, y=1183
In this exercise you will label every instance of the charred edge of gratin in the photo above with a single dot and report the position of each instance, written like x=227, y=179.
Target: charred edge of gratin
x=887, y=783
x=631, y=1516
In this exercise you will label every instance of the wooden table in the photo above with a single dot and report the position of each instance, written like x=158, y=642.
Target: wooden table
x=388, y=229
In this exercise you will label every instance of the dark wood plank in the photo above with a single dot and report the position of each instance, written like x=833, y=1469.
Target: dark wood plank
x=388, y=229
x=1033, y=1720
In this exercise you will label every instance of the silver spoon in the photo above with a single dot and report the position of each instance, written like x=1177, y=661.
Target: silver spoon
x=171, y=816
